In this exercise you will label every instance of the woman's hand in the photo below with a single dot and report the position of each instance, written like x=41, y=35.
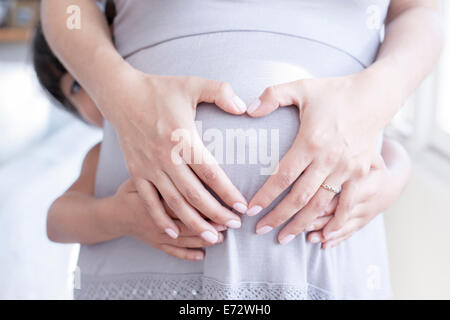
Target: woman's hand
x=336, y=143
x=363, y=199
x=360, y=201
x=342, y=117
x=132, y=218
x=149, y=113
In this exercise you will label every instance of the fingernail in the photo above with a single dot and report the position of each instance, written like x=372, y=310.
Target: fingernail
x=310, y=228
x=221, y=238
x=253, y=211
x=233, y=224
x=171, y=233
x=264, y=230
x=330, y=235
x=199, y=257
x=315, y=239
x=209, y=236
x=287, y=239
x=240, y=207
x=255, y=104
x=240, y=105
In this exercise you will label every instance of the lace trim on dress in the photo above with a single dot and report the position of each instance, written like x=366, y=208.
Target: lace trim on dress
x=192, y=287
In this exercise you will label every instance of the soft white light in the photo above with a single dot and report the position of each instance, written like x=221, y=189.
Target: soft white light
x=24, y=109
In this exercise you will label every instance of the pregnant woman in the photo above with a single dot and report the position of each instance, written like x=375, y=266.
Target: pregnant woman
x=167, y=49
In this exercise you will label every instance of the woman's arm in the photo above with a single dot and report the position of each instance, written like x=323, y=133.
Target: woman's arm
x=88, y=53
x=342, y=118
x=146, y=110
x=78, y=217
x=374, y=194
x=409, y=52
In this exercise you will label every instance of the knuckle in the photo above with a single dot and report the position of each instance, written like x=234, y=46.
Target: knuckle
x=351, y=188
x=340, y=221
x=320, y=204
x=149, y=204
x=188, y=83
x=192, y=195
x=332, y=157
x=133, y=168
x=347, y=164
x=228, y=197
x=300, y=200
x=285, y=178
x=174, y=201
x=224, y=88
x=209, y=174
x=271, y=91
x=192, y=224
x=316, y=141
x=158, y=174
x=343, y=217
x=163, y=134
x=264, y=199
x=370, y=194
x=361, y=170
x=160, y=152
x=179, y=242
x=346, y=209
x=215, y=216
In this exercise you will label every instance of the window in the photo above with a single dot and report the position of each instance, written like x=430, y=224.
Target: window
x=424, y=122
x=441, y=132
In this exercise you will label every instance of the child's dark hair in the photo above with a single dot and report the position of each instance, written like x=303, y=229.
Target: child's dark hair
x=49, y=70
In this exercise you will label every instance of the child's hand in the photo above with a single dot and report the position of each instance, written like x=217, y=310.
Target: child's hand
x=136, y=222
x=359, y=202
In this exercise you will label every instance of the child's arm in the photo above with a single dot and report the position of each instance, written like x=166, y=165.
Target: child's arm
x=370, y=195
x=78, y=217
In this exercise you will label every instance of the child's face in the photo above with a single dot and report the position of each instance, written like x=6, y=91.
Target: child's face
x=81, y=100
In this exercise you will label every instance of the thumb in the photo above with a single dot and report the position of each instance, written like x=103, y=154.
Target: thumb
x=281, y=95
x=221, y=94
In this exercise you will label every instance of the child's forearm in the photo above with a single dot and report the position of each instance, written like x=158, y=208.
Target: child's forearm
x=78, y=217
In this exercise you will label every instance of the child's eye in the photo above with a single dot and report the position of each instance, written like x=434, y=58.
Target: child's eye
x=75, y=88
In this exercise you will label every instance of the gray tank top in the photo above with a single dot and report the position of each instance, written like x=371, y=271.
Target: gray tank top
x=251, y=44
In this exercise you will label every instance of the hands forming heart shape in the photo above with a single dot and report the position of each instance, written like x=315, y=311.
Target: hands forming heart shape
x=335, y=145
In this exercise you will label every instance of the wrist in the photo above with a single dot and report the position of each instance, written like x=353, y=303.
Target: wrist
x=122, y=100
x=107, y=217
x=117, y=75
x=383, y=78
x=380, y=92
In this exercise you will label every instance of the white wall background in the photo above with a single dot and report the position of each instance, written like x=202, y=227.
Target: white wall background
x=418, y=233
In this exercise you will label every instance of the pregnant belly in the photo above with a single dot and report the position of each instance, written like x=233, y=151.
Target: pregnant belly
x=247, y=148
